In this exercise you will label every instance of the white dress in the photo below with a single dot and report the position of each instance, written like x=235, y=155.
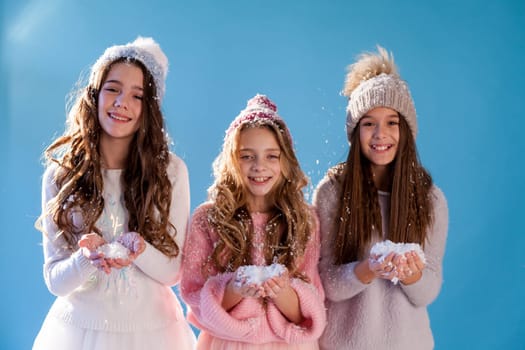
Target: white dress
x=131, y=308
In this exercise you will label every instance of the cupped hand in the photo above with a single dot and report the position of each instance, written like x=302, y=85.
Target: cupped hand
x=89, y=243
x=383, y=268
x=410, y=267
x=135, y=244
x=275, y=285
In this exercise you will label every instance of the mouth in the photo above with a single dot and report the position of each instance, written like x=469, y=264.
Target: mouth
x=381, y=148
x=119, y=117
x=259, y=179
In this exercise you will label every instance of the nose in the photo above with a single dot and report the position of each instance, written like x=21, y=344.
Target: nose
x=120, y=101
x=258, y=164
x=379, y=131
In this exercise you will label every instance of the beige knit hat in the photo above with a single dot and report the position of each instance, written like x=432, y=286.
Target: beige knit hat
x=373, y=82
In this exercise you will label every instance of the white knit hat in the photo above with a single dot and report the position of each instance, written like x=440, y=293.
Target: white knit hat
x=145, y=50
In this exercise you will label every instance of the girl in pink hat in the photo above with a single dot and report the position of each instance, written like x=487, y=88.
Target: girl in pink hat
x=250, y=274
x=115, y=208
x=383, y=221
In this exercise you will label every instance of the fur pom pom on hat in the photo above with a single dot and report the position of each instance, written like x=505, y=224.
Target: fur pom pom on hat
x=145, y=50
x=260, y=110
x=373, y=82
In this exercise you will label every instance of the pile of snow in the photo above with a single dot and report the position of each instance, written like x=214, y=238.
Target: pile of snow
x=381, y=250
x=252, y=274
x=114, y=250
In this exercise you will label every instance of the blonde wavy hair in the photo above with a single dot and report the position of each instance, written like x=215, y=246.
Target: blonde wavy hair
x=148, y=189
x=291, y=226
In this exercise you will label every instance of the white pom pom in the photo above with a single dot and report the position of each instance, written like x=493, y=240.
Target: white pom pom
x=151, y=46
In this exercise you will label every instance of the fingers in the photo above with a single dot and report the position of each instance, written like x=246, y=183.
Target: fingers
x=101, y=264
x=251, y=291
x=382, y=267
x=91, y=241
x=118, y=263
x=272, y=288
x=413, y=265
x=133, y=241
x=415, y=262
x=397, y=267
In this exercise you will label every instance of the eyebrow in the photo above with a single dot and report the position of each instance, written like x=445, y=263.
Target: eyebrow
x=393, y=115
x=266, y=150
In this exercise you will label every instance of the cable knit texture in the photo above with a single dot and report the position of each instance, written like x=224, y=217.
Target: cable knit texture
x=379, y=315
x=133, y=299
x=249, y=322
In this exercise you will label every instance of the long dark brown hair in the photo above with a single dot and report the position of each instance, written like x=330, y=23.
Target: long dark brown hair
x=290, y=227
x=410, y=202
x=147, y=193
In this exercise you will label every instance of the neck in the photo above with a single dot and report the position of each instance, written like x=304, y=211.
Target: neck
x=381, y=177
x=259, y=206
x=114, y=153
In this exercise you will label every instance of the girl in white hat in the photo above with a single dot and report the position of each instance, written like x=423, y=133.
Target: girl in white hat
x=115, y=207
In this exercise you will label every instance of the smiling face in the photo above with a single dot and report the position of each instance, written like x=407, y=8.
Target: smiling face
x=379, y=137
x=260, y=166
x=120, y=103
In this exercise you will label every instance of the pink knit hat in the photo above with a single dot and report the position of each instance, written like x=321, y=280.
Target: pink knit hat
x=260, y=110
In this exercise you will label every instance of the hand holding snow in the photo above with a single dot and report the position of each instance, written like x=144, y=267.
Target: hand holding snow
x=381, y=250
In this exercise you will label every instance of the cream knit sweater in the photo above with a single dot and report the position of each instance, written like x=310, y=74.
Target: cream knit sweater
x=135, y=298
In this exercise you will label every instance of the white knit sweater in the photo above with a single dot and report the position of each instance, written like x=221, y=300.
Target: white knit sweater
x=135, y=298
x=379, y=315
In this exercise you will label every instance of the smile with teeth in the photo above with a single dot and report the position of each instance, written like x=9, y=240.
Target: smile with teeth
x=119, y=117
x=381, y=148
x=259, y=179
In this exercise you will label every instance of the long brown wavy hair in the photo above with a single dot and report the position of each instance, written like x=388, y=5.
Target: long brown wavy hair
x=288, y=230
x=410, y=201
x=147, y=193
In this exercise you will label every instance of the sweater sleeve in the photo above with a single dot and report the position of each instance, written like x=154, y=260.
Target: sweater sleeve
x=310, y=295
x=203, y=294
x=339, y=281
x=152, y=261
x=426, y=290
x=64, y=269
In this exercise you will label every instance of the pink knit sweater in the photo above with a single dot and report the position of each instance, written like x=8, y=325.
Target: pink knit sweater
x=249, y=321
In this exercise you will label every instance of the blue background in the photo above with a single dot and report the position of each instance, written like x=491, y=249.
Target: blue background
x=463, y=61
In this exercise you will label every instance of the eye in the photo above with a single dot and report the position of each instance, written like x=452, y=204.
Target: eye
x=393, y=122
x=138, y=97
x=245, y=157
x=274, y=156
x=367, y=123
